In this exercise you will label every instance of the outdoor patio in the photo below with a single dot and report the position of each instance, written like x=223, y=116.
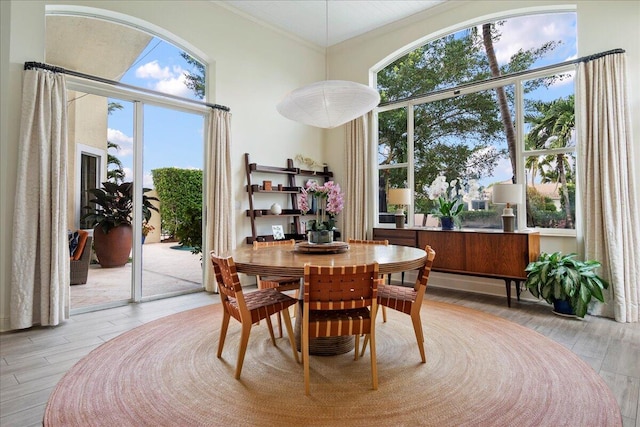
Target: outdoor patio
x=165, y=269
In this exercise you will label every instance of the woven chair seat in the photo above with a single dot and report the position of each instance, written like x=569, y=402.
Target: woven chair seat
x=397, y=297
x=339, y=322
x=262, y=303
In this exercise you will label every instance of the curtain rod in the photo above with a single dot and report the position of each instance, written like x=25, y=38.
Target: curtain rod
x=55, y=69
x=504, y=77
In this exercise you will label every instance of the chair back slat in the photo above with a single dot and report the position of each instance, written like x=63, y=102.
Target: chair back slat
x=423, y=274
x=229, y=286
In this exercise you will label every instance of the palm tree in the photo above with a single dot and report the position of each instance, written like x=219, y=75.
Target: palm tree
x=116, y=174
x=553, y=127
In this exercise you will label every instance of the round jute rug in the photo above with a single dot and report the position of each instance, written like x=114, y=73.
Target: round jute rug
x=481, y=370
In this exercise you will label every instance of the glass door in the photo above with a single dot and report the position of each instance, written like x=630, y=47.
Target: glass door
x=173, y=164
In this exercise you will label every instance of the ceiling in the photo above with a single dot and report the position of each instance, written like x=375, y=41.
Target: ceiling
x=307, y=19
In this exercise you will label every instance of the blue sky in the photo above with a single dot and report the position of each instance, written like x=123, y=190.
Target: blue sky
x=171, y=138
x=174, y=138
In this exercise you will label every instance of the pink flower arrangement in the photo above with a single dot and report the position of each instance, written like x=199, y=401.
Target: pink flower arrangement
x=329, y=202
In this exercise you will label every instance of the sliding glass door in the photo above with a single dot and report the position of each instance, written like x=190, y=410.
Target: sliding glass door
x=173, y=166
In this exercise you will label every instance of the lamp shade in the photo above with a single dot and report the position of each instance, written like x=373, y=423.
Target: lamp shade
x=510, y=194
x=400, y=196
x=328, y=104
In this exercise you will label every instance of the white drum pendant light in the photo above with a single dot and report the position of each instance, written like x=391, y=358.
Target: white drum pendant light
x=329, y=103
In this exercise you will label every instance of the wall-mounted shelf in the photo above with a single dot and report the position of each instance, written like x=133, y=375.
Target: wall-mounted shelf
x=260, y=200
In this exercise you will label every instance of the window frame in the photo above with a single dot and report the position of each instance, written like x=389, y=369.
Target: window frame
x=517, y=80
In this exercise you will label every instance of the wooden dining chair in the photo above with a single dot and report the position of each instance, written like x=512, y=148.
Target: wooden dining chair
x=408, y=300
x=282, y=284
x=340, y=301
x=375, y=242
x=248, y=309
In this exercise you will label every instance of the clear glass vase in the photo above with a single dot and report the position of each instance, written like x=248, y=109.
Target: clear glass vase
x=320, y=237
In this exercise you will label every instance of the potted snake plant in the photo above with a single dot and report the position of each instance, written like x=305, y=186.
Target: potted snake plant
x=567, y=283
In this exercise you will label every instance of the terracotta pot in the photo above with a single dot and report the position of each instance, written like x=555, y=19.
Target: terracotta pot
x=113, y=248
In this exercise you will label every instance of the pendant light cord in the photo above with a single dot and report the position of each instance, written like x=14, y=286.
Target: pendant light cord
x=326, y=40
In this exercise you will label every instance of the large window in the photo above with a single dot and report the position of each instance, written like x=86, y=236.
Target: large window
x=476, y=108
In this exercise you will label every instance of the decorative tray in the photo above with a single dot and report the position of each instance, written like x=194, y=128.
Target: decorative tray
x=321, y=248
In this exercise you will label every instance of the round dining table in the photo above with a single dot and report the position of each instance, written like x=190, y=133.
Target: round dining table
x=285, y=260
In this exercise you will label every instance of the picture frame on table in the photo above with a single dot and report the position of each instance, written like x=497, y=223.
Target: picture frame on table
x=278, y=232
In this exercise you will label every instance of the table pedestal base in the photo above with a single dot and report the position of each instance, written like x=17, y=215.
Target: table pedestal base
x=324, y=346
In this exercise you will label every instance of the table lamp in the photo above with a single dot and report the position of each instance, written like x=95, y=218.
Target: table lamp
x=511, y=194
x=400, y=197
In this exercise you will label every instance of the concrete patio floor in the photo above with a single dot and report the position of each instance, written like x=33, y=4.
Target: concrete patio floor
x=164, y=270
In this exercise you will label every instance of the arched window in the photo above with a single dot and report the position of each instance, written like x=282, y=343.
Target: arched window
x=482, y=106
x=121, y=134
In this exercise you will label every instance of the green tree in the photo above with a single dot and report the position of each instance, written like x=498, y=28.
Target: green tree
x=115, y=171
x=195, y=79
x=553, y=125
x=180, y=194
x=456, y=137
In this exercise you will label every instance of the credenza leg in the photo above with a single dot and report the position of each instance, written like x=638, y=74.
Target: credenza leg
x=507, y=284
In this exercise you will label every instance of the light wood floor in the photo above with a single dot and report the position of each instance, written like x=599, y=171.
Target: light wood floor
x=33, y=361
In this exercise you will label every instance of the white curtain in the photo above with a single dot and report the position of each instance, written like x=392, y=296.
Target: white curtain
x=40, y=263
x=220, y=228
x=611, y=224
x=356, y=191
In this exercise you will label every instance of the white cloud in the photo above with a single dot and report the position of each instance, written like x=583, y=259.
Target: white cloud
x=167, y=80
x=147, y=180
x=128, y=174
x=152, y=70
x=174, y=86
x=125, y=142
x=532, y=31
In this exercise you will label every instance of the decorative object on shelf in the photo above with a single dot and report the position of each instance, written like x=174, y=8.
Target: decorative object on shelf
x=509, y=194
x=329, y=103
x=400, y=197
x=276, y=209
x=449, y=201
x=564, y=281
x=266, y=185
x=329, y=202
x=279, y=187
x=309, y=162
x=278, y=232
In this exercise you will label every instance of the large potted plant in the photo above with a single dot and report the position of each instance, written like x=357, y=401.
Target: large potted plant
x=110, y=214
x=567, y=283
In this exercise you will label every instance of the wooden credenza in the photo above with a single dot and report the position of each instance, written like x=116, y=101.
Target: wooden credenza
x=491, y=253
